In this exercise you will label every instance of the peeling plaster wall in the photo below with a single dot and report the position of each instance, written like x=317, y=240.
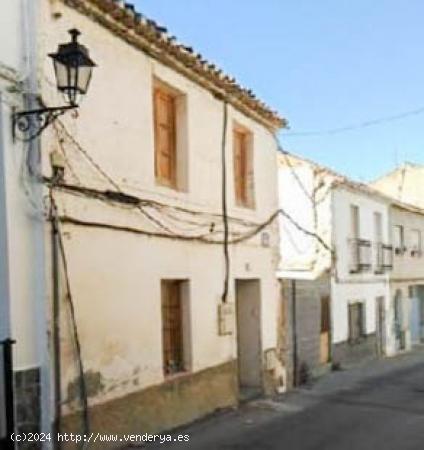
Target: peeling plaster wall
x=115, y=276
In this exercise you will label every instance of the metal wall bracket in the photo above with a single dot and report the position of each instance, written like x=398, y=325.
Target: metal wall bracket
x=27, y=125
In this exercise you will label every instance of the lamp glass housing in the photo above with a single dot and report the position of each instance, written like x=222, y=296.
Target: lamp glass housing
x=73, y=69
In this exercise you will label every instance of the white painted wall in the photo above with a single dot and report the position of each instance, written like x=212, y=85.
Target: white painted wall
x=11, y=36
x=297, y=180
x=115, y=277
x=408, y=271
x=302, y=256
x=21, y=212
x=404, y=184
x=358, y=287
x=406, y=266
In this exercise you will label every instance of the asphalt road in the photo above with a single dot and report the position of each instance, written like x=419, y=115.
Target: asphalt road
x=377, y=406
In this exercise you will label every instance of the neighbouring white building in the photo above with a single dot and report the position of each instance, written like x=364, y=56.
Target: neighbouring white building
x=406, y=184
x=166, y=242
x=351, y=266
x=335, y=265
x=22, y=270
x=407, y=277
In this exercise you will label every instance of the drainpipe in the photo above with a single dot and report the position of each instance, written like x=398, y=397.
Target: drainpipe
x=294, y=332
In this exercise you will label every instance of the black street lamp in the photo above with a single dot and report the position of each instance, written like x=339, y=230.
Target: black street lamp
x=73, y=69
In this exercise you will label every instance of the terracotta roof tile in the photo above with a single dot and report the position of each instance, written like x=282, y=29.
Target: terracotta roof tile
x=123, y=19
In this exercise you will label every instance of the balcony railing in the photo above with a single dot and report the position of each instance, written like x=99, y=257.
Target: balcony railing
x=360, y=255
x=384, y=258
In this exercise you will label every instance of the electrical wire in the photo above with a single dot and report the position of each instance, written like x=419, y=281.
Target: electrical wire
x=108, y=178
x=361, y=125
x=82, y=381
x=160, y=207
x=168, y=233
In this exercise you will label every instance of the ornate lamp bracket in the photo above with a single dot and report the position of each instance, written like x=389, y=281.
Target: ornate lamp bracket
x=28, y=125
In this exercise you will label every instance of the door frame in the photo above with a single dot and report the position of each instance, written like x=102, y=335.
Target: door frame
x=260, y=384
x=380, y=324
x=327, y=322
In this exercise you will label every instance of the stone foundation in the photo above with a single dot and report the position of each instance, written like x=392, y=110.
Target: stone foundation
x=27, y=404
x=175, y=402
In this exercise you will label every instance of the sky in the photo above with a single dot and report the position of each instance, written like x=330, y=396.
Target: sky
x=324, y=65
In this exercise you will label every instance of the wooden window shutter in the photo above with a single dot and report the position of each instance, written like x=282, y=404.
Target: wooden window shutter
x=165, y=138
x=240, y=167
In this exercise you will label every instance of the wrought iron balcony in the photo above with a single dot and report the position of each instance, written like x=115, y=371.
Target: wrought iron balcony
x=384, y=258
x=360, y=255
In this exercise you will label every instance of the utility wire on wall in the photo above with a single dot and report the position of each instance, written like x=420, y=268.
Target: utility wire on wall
x=121, y=197
x=81, y=375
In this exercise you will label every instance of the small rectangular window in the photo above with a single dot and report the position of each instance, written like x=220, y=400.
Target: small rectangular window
x=165, y=137
x=399, y=239
x=378, y=228
x=243, y=167
x=354, y=221
x=416, y=246
x=356, y=322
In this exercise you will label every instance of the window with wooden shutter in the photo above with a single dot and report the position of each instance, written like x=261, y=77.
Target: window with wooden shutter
x=172, y=327
x=165, y=137
x=243, y=168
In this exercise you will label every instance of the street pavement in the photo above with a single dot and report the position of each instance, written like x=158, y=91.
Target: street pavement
x=378, y=405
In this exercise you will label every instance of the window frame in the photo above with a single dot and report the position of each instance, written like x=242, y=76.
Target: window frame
x=244, y=196
x=361, y=334
x=416, y=250
x=179, y=349
x=165, y=92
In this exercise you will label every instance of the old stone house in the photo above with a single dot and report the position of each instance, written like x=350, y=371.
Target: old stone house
x=155, y=300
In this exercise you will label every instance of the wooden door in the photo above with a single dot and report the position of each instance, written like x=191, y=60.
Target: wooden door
x=172, y=335
x=325, y=330
x=380, y=325
x=249, y=333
